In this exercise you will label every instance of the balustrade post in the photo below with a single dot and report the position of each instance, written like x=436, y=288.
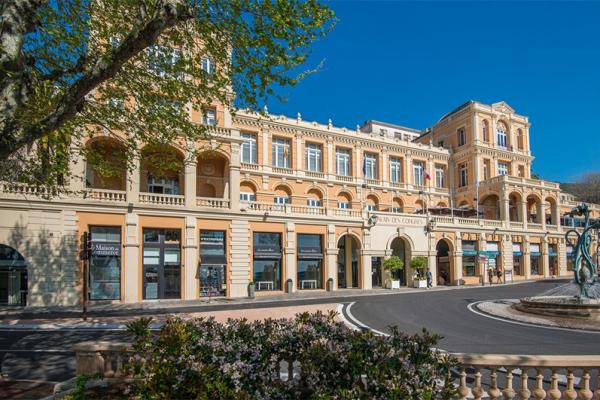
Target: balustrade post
x=477, y=390
x=554, y=392
x=524, y=392
x=463, y=390
x=570, y=393
x=597, y=391
x=585, y=393
x=539, y=393
x=494, y=392
x=509, y=393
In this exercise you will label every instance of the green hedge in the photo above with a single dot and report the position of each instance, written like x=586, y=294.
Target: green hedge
x=204, y=359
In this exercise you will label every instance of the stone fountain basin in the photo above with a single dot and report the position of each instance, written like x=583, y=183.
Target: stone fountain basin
x=561, y=306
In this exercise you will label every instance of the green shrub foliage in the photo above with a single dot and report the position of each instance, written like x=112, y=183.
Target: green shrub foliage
x=309, y=357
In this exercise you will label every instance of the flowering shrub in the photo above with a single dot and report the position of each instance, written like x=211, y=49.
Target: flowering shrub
x=309, y=357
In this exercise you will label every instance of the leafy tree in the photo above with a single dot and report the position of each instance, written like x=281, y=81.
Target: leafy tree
x=394, y=263
x=419, y=263
x=76, y=68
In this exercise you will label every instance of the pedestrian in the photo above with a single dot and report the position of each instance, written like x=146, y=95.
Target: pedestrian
x=499, y=275
x=490, y=274
x=429, y=277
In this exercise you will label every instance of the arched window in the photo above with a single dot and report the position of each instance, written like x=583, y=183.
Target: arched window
x=372, y=203
x=396, y=205
x=314, y=198
x=282, y=195
x=344, y=201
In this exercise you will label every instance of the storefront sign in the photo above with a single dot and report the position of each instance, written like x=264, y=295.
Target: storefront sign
x=106, y=249
x=517, y=249
x=400, y=220
x=535, y=249
x=469, y=247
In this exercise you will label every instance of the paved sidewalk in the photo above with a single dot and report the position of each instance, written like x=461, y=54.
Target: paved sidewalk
x=115, y=316
x=119, y=323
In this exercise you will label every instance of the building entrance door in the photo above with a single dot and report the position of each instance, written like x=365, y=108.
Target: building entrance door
x=162, y=264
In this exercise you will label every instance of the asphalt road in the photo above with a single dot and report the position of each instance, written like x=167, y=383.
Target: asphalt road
x=446, y=313
x=48, y=356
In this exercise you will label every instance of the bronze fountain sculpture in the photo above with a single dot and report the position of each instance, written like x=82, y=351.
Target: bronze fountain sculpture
x=585, y=270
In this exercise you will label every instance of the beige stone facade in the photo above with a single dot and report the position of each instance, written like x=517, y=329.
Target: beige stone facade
x=293, y=205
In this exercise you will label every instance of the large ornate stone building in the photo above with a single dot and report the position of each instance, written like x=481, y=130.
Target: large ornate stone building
x=292, y=205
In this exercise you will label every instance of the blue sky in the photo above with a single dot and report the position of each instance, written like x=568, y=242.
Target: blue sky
x=411, y=62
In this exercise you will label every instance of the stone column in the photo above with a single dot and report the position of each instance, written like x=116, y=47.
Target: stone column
x=385, y=166
x=365, y=260
x=190, y=184
x=348, y=260
x=133, y=267
x=526, y=257
x=562, y=258
x=358, y=163
x=409, y=169
x=330, y=159
x=541, y=214
x=133, y=181
x=290, y=254
x=234, y=178
x=298, y=163
x=477, y=175
x=432, y=265
x=504, y=207
x=332, y=254
x=457, y=258
x=191, y=259
x=545, y=258
x=431, y=170
x=266, y=147
x=524, y=213
x=77, y=169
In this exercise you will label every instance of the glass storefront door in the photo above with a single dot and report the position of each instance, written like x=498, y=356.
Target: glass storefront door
x=162, y=264
x=213, y=263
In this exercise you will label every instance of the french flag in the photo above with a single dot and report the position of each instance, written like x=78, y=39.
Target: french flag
x=426, y=174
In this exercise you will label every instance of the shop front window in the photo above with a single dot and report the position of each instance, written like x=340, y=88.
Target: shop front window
x=267, y=261
x=517, y=256
x=310, y=262
x=105, y=263
x=469, y=257
x=536, y=259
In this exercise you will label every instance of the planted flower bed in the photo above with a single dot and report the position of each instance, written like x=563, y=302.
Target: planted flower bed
x=309, y=357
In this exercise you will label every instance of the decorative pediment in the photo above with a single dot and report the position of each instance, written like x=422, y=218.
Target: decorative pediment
x=503, y=107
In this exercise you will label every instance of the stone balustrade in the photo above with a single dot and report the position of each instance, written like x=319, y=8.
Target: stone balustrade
x=107, y=359
x=477, y=376
x=162, y=199
x=212, y=202
x=105, y=195
x=522, y=377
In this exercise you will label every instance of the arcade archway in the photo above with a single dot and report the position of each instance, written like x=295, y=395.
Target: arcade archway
x=401, y=247
x=348, y=273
